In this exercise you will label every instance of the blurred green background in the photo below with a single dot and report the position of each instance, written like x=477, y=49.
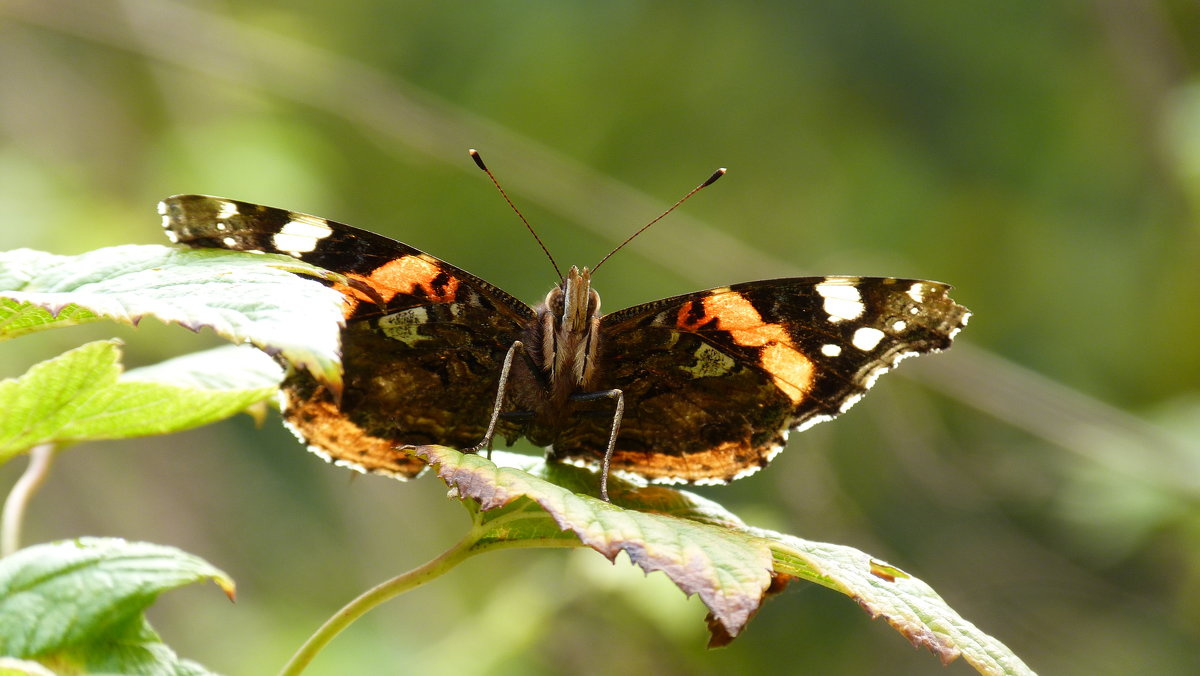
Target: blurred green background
x=1044, y=157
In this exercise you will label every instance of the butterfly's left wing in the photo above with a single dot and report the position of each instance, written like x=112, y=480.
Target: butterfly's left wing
x=714, y=380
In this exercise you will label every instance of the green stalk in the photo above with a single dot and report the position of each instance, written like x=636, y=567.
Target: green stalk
x=473, y=543
x=40, y=460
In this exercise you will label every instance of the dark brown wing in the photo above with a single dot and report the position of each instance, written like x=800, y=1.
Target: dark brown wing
x=714, y=380
x=421, y=348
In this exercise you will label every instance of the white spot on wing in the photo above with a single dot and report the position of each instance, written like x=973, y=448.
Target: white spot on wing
x=917, y=292
x=226, y=210
x=162, y=208
x=172, y=236
x=831, y=350
x=301, y=234
x=303, y=225
x=867, y=338
x=293, y=243
x=954, y=332
x=899, y=325
x=229, y=242
x=842, y=299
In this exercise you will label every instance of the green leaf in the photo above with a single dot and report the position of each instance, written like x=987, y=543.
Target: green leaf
x=228, y=367
x=703, y=549
x=81, y=395
x=244, y=297
x=912, y=607
x=15, y=667
x=77, y=606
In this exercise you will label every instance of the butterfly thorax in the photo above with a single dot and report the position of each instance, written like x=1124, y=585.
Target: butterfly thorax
x=564, y=343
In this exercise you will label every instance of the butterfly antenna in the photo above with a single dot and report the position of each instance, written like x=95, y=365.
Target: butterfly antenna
x=711, y=179
x=479, y=162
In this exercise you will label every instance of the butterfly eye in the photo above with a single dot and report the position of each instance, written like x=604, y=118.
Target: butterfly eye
x=554, y=301
x=593, y=303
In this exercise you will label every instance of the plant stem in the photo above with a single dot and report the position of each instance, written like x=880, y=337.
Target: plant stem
x=461, y=551
x=473, y=543
x=40, y=460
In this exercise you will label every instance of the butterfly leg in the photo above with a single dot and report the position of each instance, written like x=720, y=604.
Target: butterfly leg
x=619, y=413
x=486, y=443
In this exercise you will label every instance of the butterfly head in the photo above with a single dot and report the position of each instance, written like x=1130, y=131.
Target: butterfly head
x=571, y=321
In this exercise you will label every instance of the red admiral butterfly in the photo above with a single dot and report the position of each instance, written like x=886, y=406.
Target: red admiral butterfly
x=700, y=388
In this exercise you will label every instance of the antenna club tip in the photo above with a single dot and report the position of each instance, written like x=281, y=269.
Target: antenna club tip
x=713, y=179
x=478, y=160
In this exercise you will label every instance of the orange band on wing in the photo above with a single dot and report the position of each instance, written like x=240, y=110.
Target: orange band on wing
x=791, y=370
x=405, y=275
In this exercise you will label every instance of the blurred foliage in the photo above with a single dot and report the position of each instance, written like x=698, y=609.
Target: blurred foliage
x=1041, y=156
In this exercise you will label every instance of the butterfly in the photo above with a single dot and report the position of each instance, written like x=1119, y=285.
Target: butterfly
x=699, y=388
